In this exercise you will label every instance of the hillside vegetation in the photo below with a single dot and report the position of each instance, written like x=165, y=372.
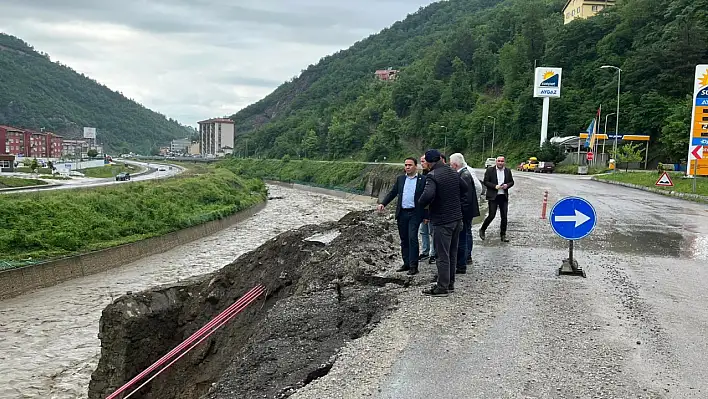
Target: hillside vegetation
x=465, y=60
x=36, y=92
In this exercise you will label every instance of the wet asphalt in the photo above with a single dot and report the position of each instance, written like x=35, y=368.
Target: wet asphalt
x=633, y=328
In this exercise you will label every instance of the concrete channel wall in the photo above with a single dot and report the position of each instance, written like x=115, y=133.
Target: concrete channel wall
x=18, y=281
x=21, y=280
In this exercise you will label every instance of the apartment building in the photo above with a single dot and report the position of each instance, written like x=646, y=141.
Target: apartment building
x=215, y=134
x=28, y=143
x=584, y=8
x=180, y=146
x=79, y=148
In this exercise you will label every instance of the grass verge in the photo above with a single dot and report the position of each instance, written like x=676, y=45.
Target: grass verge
x=52, y=224
x=109, y=170
x=343, y=176
x=681, y=185
x=9, y=182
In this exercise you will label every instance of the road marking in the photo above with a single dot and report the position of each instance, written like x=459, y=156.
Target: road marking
x=579, y=218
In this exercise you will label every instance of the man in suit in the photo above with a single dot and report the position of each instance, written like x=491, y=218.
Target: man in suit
x=444, y=190
x=409, y=215
x=470, y=210
x=498, y=180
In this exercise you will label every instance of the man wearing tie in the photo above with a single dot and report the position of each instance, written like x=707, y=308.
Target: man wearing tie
x=498, y=180
x=409, y=214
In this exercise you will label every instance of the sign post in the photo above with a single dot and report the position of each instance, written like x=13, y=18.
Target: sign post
x=572, y=218
x=696, y=155
x=699, y=124
x=547, y=84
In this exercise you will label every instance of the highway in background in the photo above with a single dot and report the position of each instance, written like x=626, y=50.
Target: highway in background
x=151, y=171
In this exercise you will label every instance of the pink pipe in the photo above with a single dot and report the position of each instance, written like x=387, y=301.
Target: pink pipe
x=253, y=293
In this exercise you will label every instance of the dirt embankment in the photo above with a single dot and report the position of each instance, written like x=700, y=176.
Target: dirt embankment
x=323, y=288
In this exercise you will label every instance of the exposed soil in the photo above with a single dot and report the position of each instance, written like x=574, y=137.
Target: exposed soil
x=326, y=285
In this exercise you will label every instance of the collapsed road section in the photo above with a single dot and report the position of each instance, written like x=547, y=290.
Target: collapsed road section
x=326, y=284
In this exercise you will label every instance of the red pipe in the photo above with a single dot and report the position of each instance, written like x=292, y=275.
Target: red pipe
x=252, y=294
x=193, y=346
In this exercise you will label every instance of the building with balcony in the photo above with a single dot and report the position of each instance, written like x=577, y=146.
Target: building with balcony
x=215, y=134
x=28, y=143
x=180, y=146
x=584, y=8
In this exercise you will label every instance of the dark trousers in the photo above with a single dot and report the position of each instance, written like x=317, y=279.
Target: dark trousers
x=446, y=239
x=501, y=202
x=408, y=224
x=464, y=246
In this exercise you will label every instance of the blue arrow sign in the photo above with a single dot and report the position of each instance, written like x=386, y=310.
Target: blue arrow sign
x=573, y=218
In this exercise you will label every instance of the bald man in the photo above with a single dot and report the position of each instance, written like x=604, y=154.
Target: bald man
x=498, y=180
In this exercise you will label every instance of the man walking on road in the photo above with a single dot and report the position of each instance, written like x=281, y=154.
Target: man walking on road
x=443, y=192
x=470, y=210
x=408, y=188
x=498, y=180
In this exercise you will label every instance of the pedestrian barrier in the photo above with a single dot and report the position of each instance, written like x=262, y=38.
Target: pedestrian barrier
x=191, y=342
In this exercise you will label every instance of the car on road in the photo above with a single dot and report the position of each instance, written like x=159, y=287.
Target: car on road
x=490, y=162
x=161, y=169
x=122, y=176
x=545, y=167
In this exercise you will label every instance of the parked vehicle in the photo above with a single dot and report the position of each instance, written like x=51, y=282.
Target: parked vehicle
x=122, y=176
x=545, y=167
x=530, y=165
x=490, y=162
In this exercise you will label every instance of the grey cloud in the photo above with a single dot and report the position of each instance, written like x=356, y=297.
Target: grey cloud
x=194, y=59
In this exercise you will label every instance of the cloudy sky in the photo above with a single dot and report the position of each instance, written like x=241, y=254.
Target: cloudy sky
x=196, y=59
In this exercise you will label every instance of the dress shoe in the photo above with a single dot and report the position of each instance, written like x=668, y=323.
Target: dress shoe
x=413, y=271
x=403, y=268
x=504, y=239
x=482, y=234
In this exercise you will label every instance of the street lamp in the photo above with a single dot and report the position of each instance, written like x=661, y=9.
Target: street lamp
x=494, y=125
x=445, y=149
x=619, y=78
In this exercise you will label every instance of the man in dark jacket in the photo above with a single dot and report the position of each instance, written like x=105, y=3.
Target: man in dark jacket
x=444, y=190
x=408, y=188
x=470, y=210
x=498, y=180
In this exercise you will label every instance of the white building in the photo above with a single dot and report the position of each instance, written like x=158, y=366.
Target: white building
x=180, y=146
x=215, y=134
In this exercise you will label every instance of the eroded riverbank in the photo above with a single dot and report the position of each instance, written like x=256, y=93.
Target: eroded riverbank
x=50, y=345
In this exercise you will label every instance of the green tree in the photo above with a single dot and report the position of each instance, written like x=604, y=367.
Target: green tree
x=551, y=153
x=675, y=131
x=310, y=143
x=34, y=165
x=92, y=153
x=629, y=153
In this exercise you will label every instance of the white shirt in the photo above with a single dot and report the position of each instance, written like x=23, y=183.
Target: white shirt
x=500, y=180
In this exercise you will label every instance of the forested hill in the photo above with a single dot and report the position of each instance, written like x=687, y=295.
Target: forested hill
x=36, y=92
x=465, y=60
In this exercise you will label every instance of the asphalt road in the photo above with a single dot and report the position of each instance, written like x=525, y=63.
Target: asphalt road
x=153, y=172
x=634, y=328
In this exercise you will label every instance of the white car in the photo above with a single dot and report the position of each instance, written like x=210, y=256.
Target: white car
x=490, y=162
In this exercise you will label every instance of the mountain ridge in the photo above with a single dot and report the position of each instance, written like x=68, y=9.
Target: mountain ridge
x=36, y=92
x=463, y=61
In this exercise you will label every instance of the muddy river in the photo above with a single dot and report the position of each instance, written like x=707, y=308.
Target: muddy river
x=48, y=338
